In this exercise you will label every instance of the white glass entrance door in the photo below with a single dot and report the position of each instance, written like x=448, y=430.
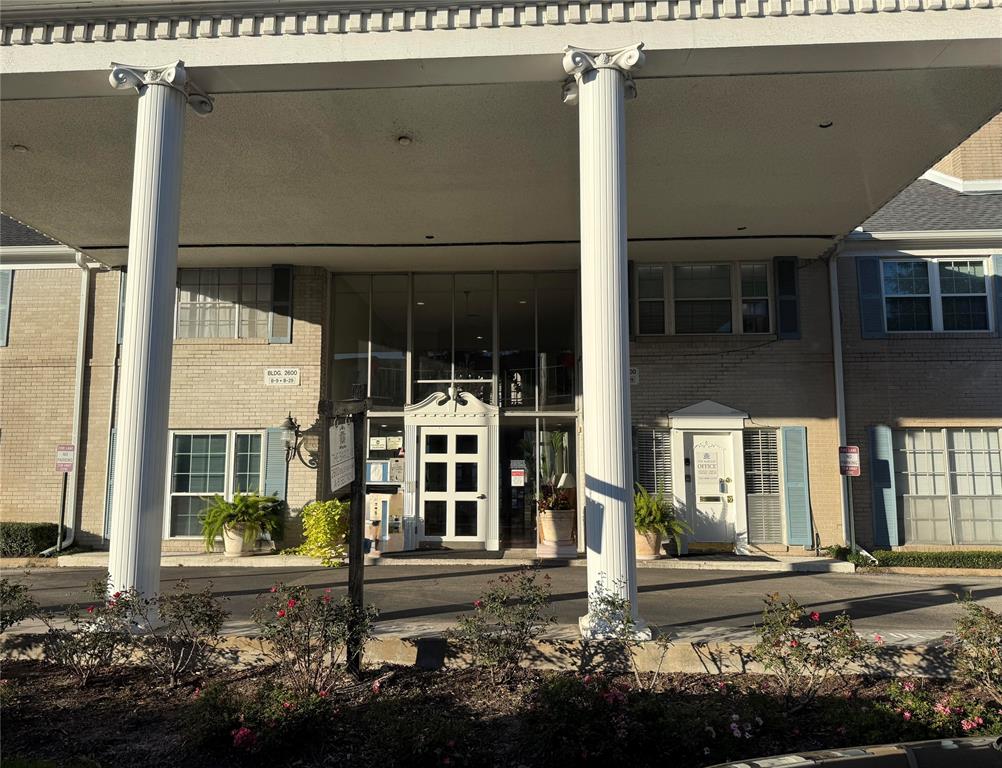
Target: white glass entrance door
x=453, y=483
x=710, y=486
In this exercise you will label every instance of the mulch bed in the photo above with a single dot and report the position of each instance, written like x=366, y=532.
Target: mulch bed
x=423, y=718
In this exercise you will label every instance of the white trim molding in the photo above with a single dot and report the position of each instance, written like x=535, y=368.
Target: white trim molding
x=963, y=185
x=63, y=24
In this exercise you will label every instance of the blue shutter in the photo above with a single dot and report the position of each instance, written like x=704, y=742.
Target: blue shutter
x=786, y=273
x=871, y=299
x=110, y=483
x=275, y=467
x=6, y=282
x=796, y=489
x=123, y=276
x=997, y=284
x=281, y=306
x=885, y=502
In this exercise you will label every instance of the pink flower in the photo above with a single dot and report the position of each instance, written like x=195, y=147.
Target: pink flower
x=274, y=590
x=90, y=609
x=970, y=725
x=197, y=692
x=244, y=737
x=281, y=614
x=291, y=603
x=375, y=687
x=322, y=694
x=908, y=686
x=815, y=616
x=878, y=639
x=327, y=598
x=906, y=715
x=288, y=705
x=478, y=603
x=794, y=643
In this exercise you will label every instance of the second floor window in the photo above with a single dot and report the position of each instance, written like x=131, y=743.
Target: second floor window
x=224, y=303
x=935, y=295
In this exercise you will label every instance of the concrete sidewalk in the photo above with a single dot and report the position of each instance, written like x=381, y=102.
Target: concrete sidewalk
x=713, y=563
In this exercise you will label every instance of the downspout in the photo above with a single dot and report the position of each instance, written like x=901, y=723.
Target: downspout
x=73, y=492
x=836, y=317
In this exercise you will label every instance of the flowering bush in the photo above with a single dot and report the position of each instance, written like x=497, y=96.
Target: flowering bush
x=976, y=649
x=802, y=651
x=16, y=604
x=505, y=621
x=610, y=618
x=309, y=634
x=182, y=630
x=933, y=712
x=325, y=530
x=94, y=637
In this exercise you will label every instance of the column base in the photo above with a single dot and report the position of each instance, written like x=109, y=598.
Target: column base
x=592, y=631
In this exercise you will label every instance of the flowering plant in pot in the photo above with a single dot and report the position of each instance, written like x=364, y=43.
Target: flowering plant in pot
x=241, y=522
x=654, y=518
x=556, y=514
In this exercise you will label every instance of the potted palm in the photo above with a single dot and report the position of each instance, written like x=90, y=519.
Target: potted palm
x=654, y=518
x=241, y=522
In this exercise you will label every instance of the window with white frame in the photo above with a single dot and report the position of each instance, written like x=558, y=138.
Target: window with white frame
x=949, y=485
x=207, y=464
x=224, y=303
x=935, y=295
x=703, y=298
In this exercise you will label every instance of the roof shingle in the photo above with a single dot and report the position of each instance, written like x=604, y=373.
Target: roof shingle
x=13, y=232
x=926, y=205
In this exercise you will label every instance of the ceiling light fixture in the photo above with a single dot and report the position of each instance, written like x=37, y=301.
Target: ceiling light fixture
x=523, y=301
x=825, y=124
x=19, y=147
x=742, y=229
x=420, y=303
x=405, y=140
x=429, y=237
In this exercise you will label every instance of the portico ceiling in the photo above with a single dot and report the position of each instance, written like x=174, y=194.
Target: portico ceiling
x=727, y=165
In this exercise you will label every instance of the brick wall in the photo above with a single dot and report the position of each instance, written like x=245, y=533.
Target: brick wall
x=37, y=371
x=777, y=383
x=922, y=380
x=980, y=157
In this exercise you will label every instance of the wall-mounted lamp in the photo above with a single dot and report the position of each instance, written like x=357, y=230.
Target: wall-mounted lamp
x=292, y=436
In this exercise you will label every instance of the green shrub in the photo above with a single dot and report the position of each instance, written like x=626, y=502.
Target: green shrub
x=16, y=604
x=505, y=620
x=802, y=651
x=948, y=559
x=325, y=530
x=26, y=539
x=976, y=649
x=309, y=635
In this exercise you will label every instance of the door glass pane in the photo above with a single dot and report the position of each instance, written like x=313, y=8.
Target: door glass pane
x=466, y=477
x=435, y=475
x=434, y=518
x=474, y=317
x=389, y=340
x=351, y=336
x=517, y=347
x=433, y=327
x=466, y=518
x=466, y=443
x=557, y=307
x=436, y=443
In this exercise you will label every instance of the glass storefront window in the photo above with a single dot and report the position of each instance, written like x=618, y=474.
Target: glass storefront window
x=388, y=366
x=556, y=302
x=474, y=327
x=432, y=328
x=351, y=336
x=517, y=348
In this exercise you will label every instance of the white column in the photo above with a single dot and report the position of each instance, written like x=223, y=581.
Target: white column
x=601, y=81
x=144, y=394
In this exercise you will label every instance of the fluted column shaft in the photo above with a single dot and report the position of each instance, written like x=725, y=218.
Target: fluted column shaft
x=601, y=82
x=144, y=396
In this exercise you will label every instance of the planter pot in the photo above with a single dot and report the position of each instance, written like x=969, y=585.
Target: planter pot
x=233, y=541
x=648, y=545
x=557, y=525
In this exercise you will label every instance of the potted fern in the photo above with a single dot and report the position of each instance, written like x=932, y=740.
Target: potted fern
x=654, y=518
x=241, y=522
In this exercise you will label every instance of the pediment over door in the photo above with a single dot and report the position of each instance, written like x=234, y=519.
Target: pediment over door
x=707, y=414
x=453, y=404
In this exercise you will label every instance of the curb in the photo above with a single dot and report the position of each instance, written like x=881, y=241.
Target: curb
x=17, y=563
x=926, y=571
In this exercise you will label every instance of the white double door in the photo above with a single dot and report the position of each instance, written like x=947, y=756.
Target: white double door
x=453, y=481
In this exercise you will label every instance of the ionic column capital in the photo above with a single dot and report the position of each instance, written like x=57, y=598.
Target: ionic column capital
x=171, y=76
x=578, y=62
